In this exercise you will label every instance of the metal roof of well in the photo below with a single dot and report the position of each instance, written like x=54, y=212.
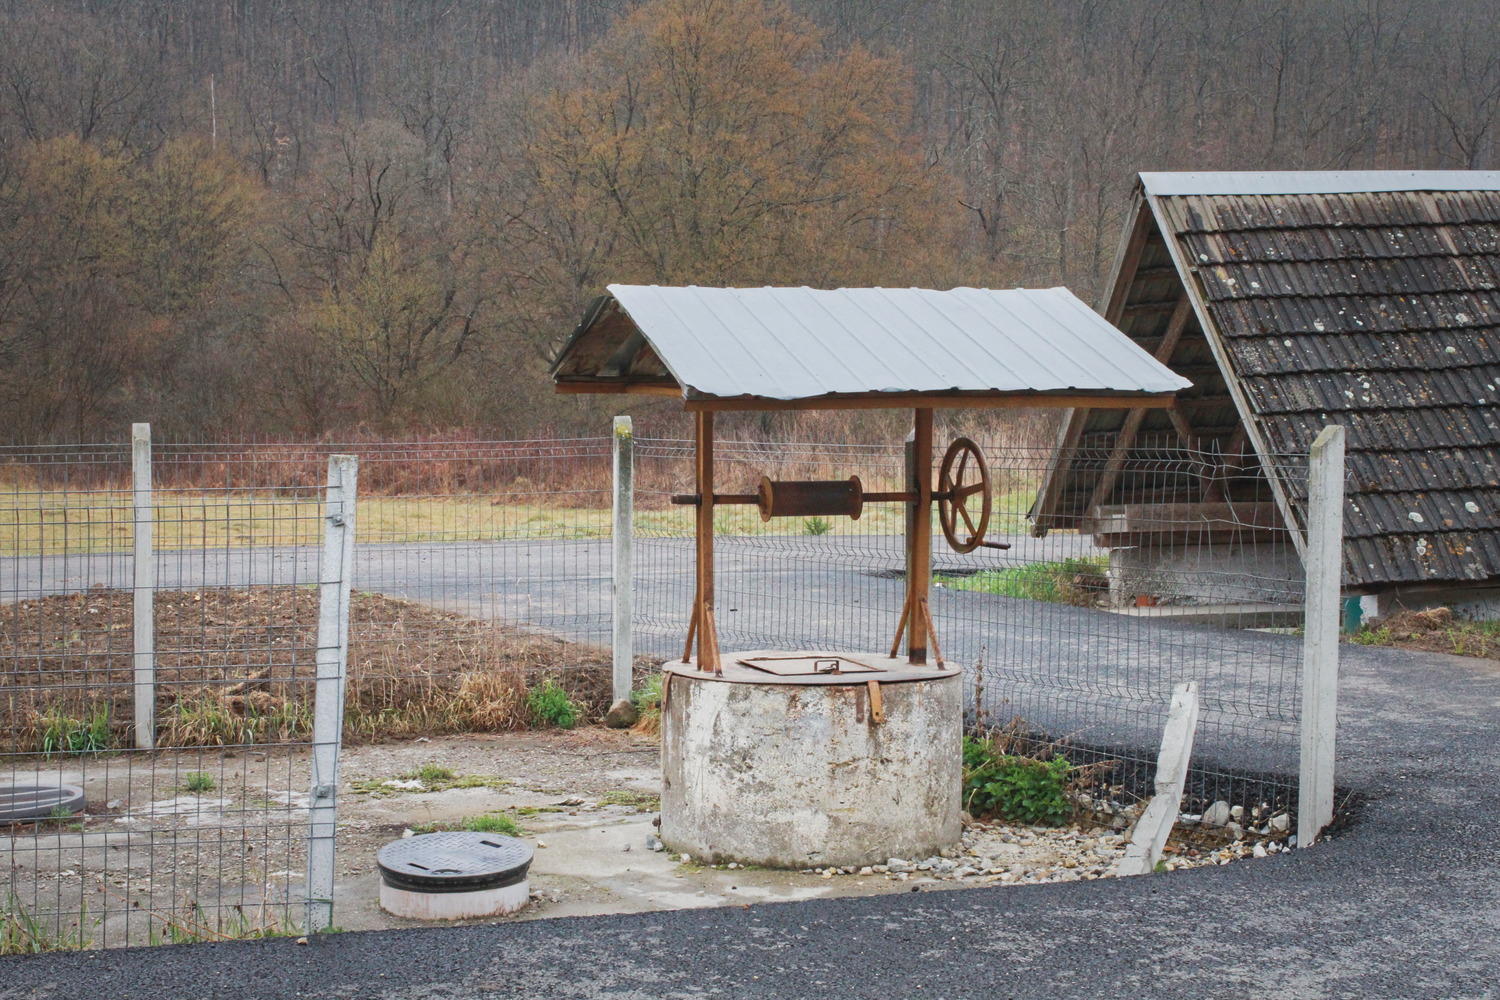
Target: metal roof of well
x=1367, y=299
x=805, y=343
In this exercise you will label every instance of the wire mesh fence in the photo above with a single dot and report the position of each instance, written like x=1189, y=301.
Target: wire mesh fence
x=482, y=570
x=1075, y=635
x=109, y=841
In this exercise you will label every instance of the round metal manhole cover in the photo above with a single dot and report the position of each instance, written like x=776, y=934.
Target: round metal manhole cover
x=454, y=862
x=30, y=801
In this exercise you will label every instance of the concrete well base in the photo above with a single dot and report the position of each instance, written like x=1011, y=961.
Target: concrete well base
x=454, y=905
x=789, y=773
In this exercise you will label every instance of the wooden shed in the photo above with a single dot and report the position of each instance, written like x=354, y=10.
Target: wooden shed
x=1292, y=301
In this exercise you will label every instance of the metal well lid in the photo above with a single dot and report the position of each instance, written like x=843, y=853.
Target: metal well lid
x=454, y=862
x=37, y=801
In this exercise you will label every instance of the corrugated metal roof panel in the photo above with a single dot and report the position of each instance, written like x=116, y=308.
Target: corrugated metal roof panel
x=798, y=343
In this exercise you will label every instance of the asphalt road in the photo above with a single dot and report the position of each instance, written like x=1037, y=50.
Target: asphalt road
x=1403, y=903
x=1098, y=677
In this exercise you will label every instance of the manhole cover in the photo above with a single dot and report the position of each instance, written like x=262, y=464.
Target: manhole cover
x=454, y=862
x=18, y=802
x=796, y=666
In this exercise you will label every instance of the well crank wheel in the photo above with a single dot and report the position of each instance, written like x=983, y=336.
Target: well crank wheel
x=956, y=488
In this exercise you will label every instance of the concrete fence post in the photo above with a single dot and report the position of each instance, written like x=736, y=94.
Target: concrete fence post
x=143, y=586
x=1154, y=826
x=335, y=574
x=1323, y=555
x=624, y=557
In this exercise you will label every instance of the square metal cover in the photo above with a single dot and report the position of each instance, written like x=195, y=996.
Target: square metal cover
x=793, y=666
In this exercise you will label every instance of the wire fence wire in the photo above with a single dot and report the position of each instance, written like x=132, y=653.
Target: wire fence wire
x=482, y=569
x=205, y=836
x=1075, y=636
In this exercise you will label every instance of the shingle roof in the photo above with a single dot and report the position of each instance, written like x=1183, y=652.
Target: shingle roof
x=803, y=343
x=1370, y=300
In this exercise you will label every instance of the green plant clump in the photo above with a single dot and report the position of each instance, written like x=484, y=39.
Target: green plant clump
x=1070, y=581
x=1017, y=789
x=198, y=782
x=550, y=706
x=433, y=774
x=492, y=823
x=816, y=525
x=65, y=734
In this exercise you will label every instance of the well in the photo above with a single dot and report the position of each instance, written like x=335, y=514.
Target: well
x=795, y=759
x=807, y=770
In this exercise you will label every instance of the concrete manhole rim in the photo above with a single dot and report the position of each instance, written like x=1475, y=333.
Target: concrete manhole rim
x=28, y=801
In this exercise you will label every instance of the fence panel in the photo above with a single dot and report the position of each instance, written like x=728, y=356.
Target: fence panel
x=1076, y=636
x=205, y=836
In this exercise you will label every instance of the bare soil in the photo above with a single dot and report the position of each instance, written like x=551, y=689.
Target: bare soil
x=237, y=666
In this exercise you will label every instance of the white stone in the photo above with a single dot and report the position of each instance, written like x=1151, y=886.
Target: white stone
x=1281, y=822
x=1216, y=814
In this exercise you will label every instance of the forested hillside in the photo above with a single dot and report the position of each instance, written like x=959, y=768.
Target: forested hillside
x=278, y=217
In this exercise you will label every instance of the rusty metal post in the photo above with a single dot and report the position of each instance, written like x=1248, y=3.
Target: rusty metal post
x=919, y=540
x=708, y=633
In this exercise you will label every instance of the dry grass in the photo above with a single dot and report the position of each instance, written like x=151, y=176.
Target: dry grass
x=236, y=667
x=458, y=488
x=1435, y=630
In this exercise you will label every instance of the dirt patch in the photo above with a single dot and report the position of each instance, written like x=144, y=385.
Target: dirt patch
x=1435, y=630
x=237, y=667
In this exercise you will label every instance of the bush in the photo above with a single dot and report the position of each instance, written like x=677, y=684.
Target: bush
x=198, y=782
x=549, y=705
x=1017, y=789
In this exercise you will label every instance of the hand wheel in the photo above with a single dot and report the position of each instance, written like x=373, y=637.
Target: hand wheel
x=954, y=491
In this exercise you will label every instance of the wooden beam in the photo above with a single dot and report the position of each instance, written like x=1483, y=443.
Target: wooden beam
x=629, y=388
x=895, y=401
x=1127, y=259
x=919, y=580
x=1186, y=267
x=1133, y=419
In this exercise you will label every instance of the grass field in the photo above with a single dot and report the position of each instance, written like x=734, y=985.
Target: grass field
x=36, y=523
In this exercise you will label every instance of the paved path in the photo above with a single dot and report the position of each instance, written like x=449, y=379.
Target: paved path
x=1403, y=904
x=1104, y=679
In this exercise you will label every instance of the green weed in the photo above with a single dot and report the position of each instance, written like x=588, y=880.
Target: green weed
x=23, y=934
x=550, y=706
x=434, y=778
x=492, y=823
x=497, y=823
x=1017, y=789
x=641, y=801
x=65, y=734
x=198, y=782
x=1070, y=581
x=816, y=526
